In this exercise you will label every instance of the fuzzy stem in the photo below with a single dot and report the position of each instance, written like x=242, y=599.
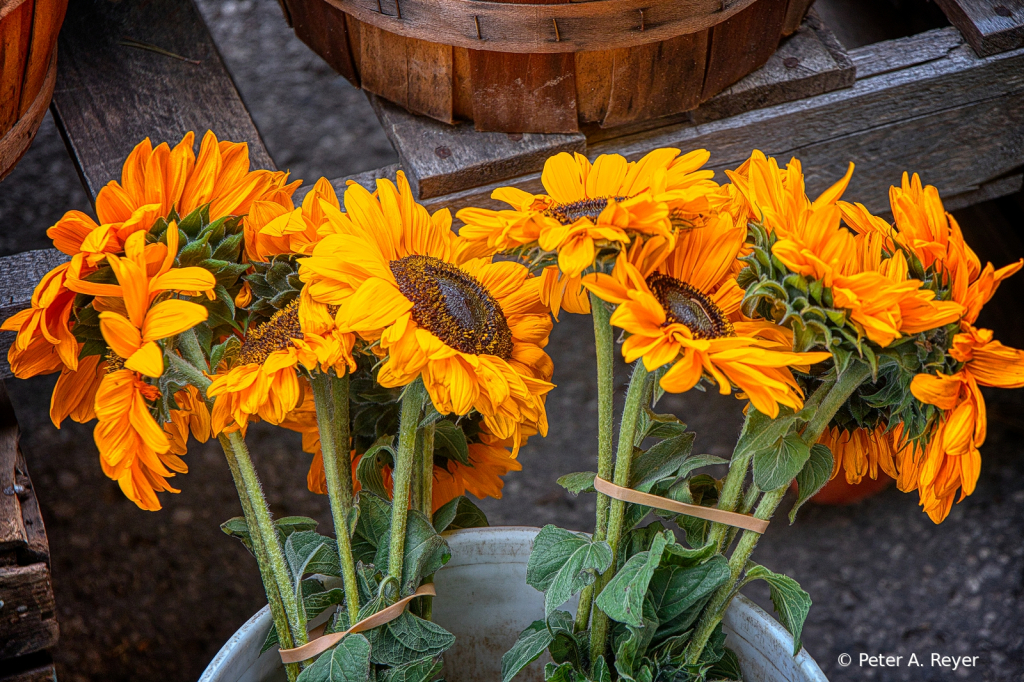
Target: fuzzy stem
x=412, y=406
x=427, y=470
x=190, y=372
x=604, y=344
x=827, y=400
x=623, y=460
x=331, y=408
x=720, y=600
x=284, y=633
x=265, y=527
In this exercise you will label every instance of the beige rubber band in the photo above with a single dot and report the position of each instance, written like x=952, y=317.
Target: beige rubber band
x=322, y=644
x=744, y=521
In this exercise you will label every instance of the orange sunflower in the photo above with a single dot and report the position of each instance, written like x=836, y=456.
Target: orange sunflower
x=153, y=182
x=274, y=226
x=684, y=311
x=587, y=206
x=861, y=452
x=474, y=330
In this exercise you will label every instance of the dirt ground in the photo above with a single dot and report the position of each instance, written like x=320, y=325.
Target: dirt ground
x=152, y=596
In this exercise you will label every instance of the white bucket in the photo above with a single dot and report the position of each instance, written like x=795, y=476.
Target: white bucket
x=483, y=599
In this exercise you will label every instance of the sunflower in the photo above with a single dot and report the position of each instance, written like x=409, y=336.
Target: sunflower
x=134, y=450
x=860, y=452
x=865, y=278
x=154, y=182
x=951, y=459
x=474, y=330
x=274, y=226
x=587, y=207
x=684, y=311
x=75, y=393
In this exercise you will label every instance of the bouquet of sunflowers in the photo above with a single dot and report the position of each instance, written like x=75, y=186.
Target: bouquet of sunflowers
x=411, y=360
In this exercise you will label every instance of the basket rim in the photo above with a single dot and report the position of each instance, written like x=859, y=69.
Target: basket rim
x=585, y=26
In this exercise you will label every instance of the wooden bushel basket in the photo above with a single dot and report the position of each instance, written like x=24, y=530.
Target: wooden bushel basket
x=550, y=67
x=28, y=69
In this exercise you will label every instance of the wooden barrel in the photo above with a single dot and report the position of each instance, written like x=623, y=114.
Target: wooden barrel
x=28, y=69
x=548, y=67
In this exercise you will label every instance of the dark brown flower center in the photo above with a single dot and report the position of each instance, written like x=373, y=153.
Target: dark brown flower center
x=453, y=306
x=273, y=335
x=689, y=307
x=569, y=213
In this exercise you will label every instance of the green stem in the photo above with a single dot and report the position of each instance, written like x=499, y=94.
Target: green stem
x=412, y=406
x=604, y=344
x=268, y=532
x=189, y=346
x=825, y=402
x=749, y=500
x=284, y=633
x=427, y=470
x=720, y=600
x=331, y=408
x=189, y=371
x=623, y=461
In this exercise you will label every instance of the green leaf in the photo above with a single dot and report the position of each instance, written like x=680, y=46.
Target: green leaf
x=659, y=461
x=622, y=598
x=674, y=589
x=632, y=645
x=761, y=432
x=562, y=563
x=423, y=670
x=308, y=552
x=368, y=471
x=373, y=526
x=225, y=350
x=566, y=672
x=813, y=476
x=450, y=442
x=791, y=603
x=727, y=668
x=459, y=513
x=578, y=482
x=291, y=524
x=237, y=528
x=425, y=552
x=661, y=425
x=347, y=662
x=698, y=462
x=601, y=673
x=406, y=639
x=532, y=642
x=779, y=465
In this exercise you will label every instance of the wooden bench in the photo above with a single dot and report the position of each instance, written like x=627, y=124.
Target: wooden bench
x=948, y=102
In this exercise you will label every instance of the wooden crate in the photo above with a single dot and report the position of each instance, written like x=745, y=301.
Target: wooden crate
x=28, y=620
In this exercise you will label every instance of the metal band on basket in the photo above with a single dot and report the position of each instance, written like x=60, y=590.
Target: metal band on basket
x=565, y=27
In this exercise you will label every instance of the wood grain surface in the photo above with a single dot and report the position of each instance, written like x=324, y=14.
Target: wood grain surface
x=440, y=159
x=109, y=96
x=322, y=26
x=743, y=43
x=990, y=26
x=582, y=26
x=28, y=622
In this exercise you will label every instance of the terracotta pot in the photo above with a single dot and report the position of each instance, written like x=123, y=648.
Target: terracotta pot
x=838, y=492
x=28, y=70
x=549, y=68
x=483, y=599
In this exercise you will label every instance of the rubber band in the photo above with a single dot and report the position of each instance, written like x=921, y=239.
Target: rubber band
x=322, y=644
x=744, y=521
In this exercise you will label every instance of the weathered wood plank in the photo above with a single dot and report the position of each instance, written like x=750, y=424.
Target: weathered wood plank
x=903, y=105
x=19, y=275
x=38, y=548
x=986, y=192
x=110, y=96
x=440, y=159
x=795, y=12
x=893, y=55
x=28, y=622
x=990, y=26
x=12, y=526
x=36, y=667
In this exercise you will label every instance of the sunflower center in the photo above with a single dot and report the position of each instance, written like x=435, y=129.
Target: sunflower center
x=453, y=306
x=689, y=307
x=569, y=213
x=273, y=335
